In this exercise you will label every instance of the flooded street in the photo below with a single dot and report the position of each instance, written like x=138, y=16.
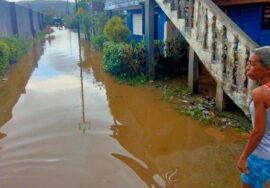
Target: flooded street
x=67, y=124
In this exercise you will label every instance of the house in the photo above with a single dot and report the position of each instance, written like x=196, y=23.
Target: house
x=220, y=33
x=253, y=17
x=135, y=19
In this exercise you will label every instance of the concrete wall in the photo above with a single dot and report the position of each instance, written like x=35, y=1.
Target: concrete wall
x=18, y=20
x=36, y=22
x=5, y=19
x=23, y=21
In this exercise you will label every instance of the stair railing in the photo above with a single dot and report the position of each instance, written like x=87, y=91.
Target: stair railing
x=219, y=43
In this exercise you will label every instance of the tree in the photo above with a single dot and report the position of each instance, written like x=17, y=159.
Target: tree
x=116, y=30
x=85, y=4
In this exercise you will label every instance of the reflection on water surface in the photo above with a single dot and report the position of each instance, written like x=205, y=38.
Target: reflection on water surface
x=71, y=125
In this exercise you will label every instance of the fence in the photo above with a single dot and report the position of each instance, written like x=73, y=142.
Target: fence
x=21, y=21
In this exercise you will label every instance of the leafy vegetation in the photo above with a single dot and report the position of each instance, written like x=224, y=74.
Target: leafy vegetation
x=4, y=56
x=91, y=22
x=118, y=58
x=17, y=47
x=130, y=59
x=126, y=61
x=173, y=60
x=12, y=48
x=176, y=48
x=198, y=114
x=98, y=42
x=174, y=92
x=136, y=80
x=98, y=21
x=116, y=30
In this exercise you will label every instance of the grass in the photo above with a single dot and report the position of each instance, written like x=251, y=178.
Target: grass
x=137, y=80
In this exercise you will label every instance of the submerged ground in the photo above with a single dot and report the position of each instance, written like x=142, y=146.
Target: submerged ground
x=66, y=123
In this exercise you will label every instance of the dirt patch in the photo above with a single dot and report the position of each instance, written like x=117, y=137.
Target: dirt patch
x=201, y=106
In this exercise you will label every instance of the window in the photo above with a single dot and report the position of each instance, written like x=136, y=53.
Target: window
x=137, y=24
x=266, y=17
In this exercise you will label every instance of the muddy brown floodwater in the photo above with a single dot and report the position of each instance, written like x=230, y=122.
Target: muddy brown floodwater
x=67, y=124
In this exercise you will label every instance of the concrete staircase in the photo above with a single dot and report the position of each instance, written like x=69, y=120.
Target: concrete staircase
x=218, y=42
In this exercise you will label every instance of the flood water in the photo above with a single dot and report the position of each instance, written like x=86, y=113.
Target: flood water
x=67, y=124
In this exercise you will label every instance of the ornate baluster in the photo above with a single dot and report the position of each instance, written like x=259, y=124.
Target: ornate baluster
x=205, y=39
x=178, y=9
x=235, y=62
x=182, y=8
x=241, y=78
x=190, y=13
x=198, y=20
x=246, y=62
x=214, y=37
x=224, y=51
x=186, y=12
x=230, y=61
x=174, y=4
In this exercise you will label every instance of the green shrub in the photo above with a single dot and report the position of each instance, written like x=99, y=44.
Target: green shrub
x=158, y=48
x=140, y=53
x=176, y=48
x=133, y=80
x=4, y=56
x=98, y=42
x=125, y=62
x=68, y=21
x=117, y=58
x=116, y=30
x=17, y=47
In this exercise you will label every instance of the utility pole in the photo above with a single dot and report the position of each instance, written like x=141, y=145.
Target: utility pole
x=76, y=5
x=67, y=8
x=78, y=26
x=149, y=39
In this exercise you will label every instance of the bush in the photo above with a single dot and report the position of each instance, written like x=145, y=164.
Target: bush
x=133, y=80
x=116, y=30
x=176, y=48
x=171, y=57
x=139, y=56
x=17, y=47
x=117, y=58
x=98, y=42
x=127, y=59
x=4, y=56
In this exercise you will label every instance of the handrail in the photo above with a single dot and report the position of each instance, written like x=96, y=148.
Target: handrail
x=219, y=43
